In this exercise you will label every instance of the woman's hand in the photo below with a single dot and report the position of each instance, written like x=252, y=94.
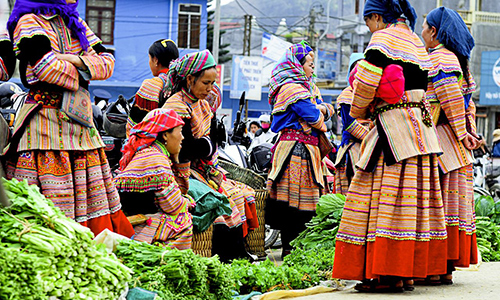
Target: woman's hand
x=74, y=59
x=470, y=142
x=322, y=108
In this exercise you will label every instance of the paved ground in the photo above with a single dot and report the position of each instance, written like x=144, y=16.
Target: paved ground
x=482, y=283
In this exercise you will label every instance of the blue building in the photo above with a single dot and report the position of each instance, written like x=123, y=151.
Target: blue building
x=129, y=27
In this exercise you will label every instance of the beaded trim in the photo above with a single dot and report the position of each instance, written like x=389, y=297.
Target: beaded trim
x=426, y=115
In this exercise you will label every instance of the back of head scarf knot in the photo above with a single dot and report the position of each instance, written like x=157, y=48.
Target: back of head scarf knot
x=145, y=133
x=391, y=10
x=451, y=30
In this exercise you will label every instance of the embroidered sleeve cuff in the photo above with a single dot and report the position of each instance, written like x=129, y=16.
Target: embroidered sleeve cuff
x=99, y=66
x=357, y=130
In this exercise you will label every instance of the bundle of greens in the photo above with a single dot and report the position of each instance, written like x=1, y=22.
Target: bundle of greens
x=488, y=239
x=322, y=229
x=486, y=206
x=301, y=269
x=46, y=254
x=176, y=274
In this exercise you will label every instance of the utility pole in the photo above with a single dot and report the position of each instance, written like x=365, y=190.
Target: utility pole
x=312, y=21
x=247, y=37
x=247, y=33
x=216, y=40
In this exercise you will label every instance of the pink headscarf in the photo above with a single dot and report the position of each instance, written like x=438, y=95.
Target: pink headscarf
x=145, y=133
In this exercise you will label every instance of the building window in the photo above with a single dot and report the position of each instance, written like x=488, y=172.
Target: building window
x=101, y=19
x=189, y=26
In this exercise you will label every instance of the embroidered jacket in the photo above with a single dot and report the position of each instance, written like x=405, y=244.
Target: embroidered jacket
x=45, y=129
x=151, y=170
x=452, y=107
x=400, y=129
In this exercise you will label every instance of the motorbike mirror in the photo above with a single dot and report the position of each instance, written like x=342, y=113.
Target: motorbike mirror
x=242, y=99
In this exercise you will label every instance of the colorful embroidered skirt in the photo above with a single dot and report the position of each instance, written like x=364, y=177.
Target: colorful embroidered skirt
x=345, y=167
x=78, y=182
x=297, y=185
x=458, y=199
x=393, y=222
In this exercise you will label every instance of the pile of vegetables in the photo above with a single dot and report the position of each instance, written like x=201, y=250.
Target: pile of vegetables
x=322, y=229
x=175, y=274
x=300, y=269
x=487, y=227
x=310, y=262
x=45, y=254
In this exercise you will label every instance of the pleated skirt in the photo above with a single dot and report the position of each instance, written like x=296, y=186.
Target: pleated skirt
x=393, y=222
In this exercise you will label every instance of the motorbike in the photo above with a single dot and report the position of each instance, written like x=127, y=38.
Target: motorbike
x=11, y=100
x=110, y=119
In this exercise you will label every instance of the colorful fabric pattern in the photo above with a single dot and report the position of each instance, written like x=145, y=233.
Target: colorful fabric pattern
x=289, y=70
x=52, y=70
x=190, y=63
x=47, y=131
x=393, y=214
x=299, y=184
x=199, y=112
x=78, y=182
x=455, y=113
x=397, y=42
x=450, y=94
x=150, y=170
x=4, y=74
x=147, y=97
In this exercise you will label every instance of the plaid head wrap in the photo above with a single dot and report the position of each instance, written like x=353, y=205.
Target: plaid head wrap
x=289, y=70
x=391, y=10
x=145, y=133
x=451, y=30
x=188, y=64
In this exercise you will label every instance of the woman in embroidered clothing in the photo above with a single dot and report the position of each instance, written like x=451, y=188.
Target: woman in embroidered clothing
x=147, y=175
x=296, y=179
x=58, y=54
x=352, y=134
x=392, y=226
x=191, y=83
x=451, y=85
x=148, y=97
x=7, y=57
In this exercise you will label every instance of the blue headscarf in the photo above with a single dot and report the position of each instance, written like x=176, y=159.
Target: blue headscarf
x=451, y=30
x=67, y=11
x=391, y=10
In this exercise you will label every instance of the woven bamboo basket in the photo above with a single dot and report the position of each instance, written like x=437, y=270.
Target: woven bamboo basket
x=255, y=239
x=202, y=242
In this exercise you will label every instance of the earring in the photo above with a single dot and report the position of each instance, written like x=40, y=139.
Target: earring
x=377, y=25
x=189, y=89
x=432, y=39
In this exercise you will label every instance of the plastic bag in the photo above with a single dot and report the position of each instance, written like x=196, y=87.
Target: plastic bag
x=109, y=239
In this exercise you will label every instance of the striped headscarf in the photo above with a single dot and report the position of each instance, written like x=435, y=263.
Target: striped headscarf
x=289, y=70
x=145, y=133
x=188, y=64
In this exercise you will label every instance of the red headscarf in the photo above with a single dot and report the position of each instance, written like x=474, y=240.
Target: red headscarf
x=145, y=133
